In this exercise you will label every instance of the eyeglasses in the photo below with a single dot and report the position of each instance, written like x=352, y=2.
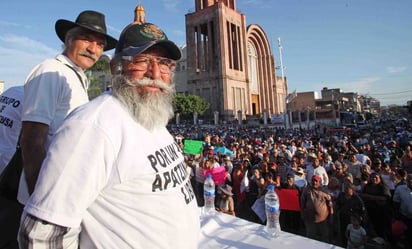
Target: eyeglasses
x=143, y=62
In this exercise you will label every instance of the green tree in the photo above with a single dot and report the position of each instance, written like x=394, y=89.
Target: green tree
x=188, y=104
x=102, y=65
x=95, y=86
x=94, y=89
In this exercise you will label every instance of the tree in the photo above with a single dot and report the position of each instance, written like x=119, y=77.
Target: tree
x=94, y=89
x=95, y=86
x=188, y=104
x=102, y=65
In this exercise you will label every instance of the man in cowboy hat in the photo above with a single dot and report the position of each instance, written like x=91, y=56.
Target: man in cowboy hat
x=56, y=86
x=226, y=203
x=114, y=177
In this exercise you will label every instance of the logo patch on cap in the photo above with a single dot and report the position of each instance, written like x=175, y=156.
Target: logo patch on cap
x=152, y=32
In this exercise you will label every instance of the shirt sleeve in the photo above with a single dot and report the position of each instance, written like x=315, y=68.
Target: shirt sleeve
x=42, y=93
x=76, y=169
x=36, y=233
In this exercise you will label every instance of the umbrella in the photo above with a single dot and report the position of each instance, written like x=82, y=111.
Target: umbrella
x=223, y=150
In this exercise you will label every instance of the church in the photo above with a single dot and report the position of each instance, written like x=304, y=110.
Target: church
x=229, y=64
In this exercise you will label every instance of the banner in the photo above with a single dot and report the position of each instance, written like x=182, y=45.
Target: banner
x=193, y=147
x=218, y=174
x=289, y=199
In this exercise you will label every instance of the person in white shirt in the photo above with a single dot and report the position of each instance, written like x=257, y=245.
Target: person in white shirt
x=114, y=177
x=57, y=86
x=11, y=102
x=317, y=169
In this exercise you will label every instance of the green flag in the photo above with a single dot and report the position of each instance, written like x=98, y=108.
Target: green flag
x=193, y=147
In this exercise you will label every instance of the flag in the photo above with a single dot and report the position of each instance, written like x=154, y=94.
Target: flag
x=289, y=199
x=291, y=96
x=192, y=147
x=218, y=174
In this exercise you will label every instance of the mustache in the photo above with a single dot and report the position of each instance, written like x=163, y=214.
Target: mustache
x=90, y=55
x=149, y=82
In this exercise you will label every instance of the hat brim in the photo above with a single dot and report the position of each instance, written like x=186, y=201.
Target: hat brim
x=226, y=191
x=173, y=51
x=62, y=26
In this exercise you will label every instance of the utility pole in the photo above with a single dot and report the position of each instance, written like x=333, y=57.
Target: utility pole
x=288, y=118
x=281, y=62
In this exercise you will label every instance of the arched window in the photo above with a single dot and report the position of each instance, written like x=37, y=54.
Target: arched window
x=252, y=59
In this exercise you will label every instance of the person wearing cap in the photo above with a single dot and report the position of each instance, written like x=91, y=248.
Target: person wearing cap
x=57, y=86
x=114, y=177
x=316, y=210
x=300, y=178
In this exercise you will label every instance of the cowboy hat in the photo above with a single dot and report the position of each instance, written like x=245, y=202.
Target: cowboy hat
x=300, y=170
x=90, y=20
x=227, y=190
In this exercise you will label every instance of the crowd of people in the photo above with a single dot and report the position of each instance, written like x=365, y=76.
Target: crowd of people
x=345, y=181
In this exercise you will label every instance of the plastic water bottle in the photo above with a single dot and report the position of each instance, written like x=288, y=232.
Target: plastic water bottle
x=272, y=212
x=209, y=195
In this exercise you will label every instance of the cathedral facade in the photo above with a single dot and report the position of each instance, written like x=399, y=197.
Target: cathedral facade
x=229, y=64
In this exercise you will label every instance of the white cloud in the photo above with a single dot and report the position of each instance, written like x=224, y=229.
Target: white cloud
x=396, y=69
x=24, y=44
x=19, y=54
x=13, y=25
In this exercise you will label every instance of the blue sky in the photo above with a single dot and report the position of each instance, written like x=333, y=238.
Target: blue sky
x=362, y=46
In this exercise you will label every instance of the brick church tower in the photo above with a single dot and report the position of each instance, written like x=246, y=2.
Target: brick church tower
x=228, y=64
x=216, y=62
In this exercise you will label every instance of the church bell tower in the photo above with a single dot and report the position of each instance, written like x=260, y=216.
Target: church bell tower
x=217, y=57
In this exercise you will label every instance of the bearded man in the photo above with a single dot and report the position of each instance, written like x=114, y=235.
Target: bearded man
x=114, y=177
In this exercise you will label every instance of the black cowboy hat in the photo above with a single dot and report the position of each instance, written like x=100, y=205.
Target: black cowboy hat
x=90, y=20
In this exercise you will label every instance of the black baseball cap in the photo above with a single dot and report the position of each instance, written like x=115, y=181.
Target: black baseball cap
x=137, y=38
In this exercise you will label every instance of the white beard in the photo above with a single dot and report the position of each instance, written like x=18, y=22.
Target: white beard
x=152, y=110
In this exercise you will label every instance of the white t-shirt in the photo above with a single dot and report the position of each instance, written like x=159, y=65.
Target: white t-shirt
x=320, y=171
x=10, y=123
x=125, y=186
x=52, y=91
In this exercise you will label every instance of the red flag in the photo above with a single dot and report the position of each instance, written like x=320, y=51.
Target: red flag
x=289, y=199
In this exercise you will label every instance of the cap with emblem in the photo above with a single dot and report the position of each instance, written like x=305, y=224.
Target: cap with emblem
x=137, y=38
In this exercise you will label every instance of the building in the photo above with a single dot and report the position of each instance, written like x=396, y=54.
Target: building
x=229, y=65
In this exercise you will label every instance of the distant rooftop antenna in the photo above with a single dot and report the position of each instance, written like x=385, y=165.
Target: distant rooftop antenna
x=281, y=62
